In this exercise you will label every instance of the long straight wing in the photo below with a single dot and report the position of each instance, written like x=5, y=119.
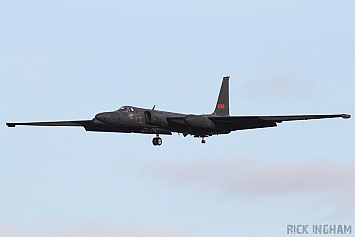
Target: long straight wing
x=80, y=123
x=92, y=125
x=233, y=123
x=277, y=119
x=251, y=122
x=303, y=117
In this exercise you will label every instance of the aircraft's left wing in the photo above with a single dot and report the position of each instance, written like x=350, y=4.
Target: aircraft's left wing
x=233, y=123
x=277, y=119
x=250, y=122
x=80, y=123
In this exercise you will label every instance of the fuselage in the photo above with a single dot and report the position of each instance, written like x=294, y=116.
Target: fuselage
x=137, y=117
x=160, y=122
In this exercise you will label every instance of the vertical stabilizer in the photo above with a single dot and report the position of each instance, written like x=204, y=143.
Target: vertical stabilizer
x=222, y=106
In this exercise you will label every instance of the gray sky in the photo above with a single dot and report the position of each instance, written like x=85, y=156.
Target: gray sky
x=68, y=60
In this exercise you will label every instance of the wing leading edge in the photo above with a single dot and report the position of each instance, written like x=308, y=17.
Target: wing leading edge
x=277, y=119
x=94, y=126
x=79, y=123
x=233, y=123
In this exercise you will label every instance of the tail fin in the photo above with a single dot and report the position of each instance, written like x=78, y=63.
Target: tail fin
x=222, y=106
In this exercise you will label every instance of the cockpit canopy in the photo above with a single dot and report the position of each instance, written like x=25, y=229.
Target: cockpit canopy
x=126, y=109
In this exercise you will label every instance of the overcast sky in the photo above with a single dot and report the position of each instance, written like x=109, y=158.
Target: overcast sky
x=68, y=60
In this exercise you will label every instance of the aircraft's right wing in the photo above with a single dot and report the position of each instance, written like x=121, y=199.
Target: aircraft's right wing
x=80, y=123
x=93, y=125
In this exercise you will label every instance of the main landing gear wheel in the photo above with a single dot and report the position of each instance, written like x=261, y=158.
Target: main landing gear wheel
x=203, y=141
x=157, y=141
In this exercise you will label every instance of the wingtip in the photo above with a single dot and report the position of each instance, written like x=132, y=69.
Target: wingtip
x=345, y=116
x=11, y=125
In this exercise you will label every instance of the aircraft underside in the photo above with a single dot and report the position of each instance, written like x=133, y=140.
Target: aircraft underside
x=157, y=140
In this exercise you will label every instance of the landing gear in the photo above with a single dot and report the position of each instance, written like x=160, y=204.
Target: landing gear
x=203, y=141
x=157, y=141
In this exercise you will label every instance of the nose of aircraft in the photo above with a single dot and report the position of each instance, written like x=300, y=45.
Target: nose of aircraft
x=102, y=117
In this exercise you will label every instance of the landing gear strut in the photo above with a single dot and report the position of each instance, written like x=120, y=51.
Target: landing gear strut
x=157, y=141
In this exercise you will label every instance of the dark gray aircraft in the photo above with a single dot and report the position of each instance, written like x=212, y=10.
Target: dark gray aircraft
x=129, y=119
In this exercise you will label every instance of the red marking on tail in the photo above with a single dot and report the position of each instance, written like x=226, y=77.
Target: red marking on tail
x=220, y=106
